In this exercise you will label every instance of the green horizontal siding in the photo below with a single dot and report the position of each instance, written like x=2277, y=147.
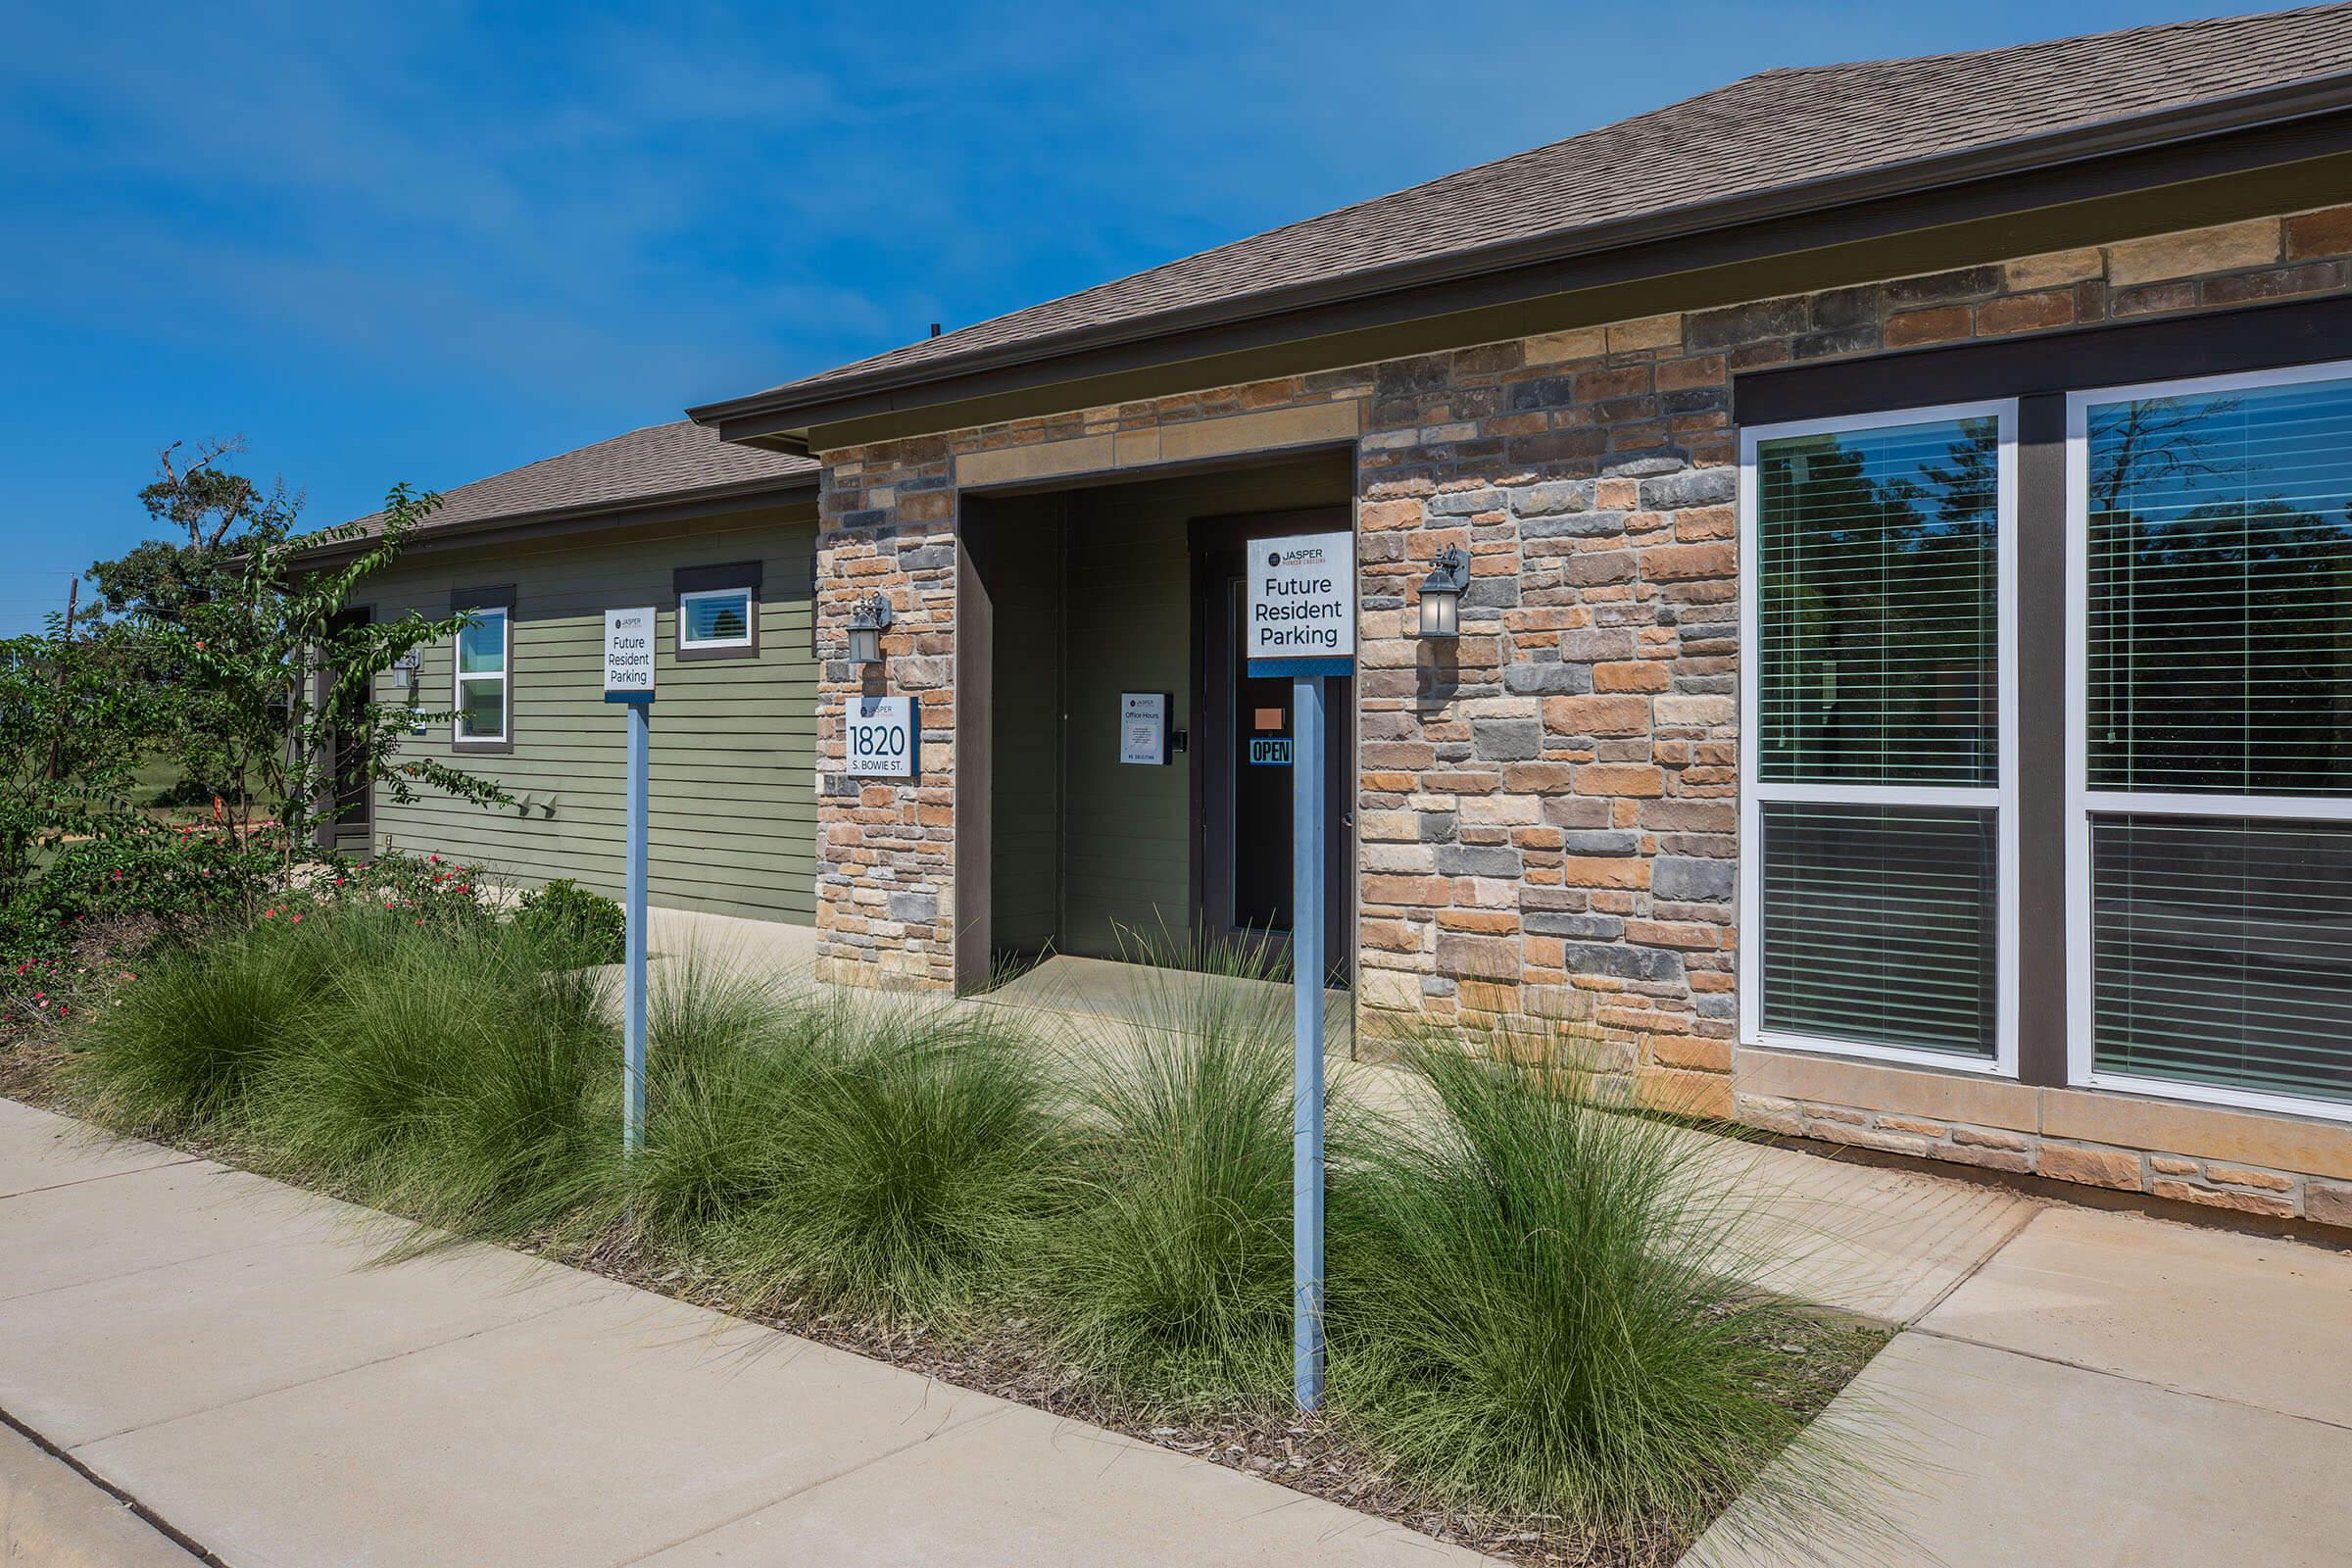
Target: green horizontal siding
x=733, y=823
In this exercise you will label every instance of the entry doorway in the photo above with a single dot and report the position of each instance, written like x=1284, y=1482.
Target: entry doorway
x=1245, y=779
x=349, y=806
x=1073, y=604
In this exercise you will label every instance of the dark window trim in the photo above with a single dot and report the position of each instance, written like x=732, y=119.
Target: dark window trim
x=462, y=600
x=2042, y=999
x=2257, y=337
x=686, y=581
x=2038, y=371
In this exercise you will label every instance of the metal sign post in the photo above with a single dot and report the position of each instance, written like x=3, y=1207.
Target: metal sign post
x=1302, y=624
x=629, y=680
x=1306, y=1050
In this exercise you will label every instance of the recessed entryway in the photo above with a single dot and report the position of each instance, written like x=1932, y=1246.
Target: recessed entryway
x=1103, y=607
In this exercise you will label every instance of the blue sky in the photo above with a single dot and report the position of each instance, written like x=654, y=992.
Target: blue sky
x=431, y=241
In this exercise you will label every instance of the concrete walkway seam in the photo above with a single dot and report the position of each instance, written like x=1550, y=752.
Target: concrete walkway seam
x=303, y=1382
x=146, y=1516
x=806, y=1488
x=106, y=1176
x=2025, y=1215
x=1951, y=1337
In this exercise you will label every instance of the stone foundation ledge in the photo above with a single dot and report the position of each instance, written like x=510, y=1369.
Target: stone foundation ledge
x=2246, y=1162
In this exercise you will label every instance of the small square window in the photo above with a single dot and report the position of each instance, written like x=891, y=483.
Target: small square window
x=716, y=618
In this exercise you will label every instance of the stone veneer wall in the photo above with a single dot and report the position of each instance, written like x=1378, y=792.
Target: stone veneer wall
x=1547, y=807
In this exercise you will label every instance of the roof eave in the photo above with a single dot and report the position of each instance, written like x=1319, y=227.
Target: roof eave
x=780, y=417
x=666, y=507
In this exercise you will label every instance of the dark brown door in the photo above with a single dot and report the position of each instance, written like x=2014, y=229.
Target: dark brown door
x=352, y=823
x=1245, y=760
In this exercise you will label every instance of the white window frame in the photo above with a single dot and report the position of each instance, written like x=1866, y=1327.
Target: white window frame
x=751, y=609
x=2000, y=797
x=460, y=676
x=2083, y=801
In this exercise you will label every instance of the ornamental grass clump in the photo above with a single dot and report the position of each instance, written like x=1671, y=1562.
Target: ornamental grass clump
x=1164, y=1274
x=452, y=1076
x=854, y=1155
x=181, y=1042
x=1542, y=1303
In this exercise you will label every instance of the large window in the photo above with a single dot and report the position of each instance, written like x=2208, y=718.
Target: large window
x=483, y=665
x=1876, y=892
x=2211, y=708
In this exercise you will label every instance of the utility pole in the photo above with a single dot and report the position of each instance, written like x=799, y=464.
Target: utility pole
x=57, y=732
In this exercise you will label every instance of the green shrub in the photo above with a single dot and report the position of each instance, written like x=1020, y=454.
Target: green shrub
x=179, y=1045
x=852, y=1154
x=1166, y=1273
x=133, y=887
x=450, y=1076
x=586, y=926
x=1541, y=1306
x=725, y=1048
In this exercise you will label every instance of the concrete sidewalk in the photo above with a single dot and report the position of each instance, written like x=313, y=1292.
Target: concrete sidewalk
x=2112, y=1391
x=206, y=1343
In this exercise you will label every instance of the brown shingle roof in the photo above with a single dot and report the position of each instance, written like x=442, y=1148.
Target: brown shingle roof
x=660, y=462
x=1776, y=129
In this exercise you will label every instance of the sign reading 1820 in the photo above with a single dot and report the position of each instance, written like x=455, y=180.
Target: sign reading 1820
x=881, y=737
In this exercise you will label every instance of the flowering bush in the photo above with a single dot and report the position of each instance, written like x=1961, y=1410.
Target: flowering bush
x=430, y=890
x=104, y=900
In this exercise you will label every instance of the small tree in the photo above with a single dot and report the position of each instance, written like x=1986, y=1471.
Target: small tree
x=210, y=515
x=73, y=724
x=274, y=680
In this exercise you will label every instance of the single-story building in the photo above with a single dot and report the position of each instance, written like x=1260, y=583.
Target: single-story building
x=723, y=539
x=1900, y=684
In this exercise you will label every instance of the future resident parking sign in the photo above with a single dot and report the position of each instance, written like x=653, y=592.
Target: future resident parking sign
x=630, y=654
x=1302, y=605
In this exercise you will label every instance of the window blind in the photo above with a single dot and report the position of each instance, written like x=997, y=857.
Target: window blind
x=717, y=618
x=2221, y=952
x=1879, y=925
x=1879, y=611
x=2220, y=577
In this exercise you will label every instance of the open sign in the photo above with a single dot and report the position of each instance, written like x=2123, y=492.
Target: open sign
x=882, y=737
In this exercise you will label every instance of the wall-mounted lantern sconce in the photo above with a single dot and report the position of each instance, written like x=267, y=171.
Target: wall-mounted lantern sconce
x=867, y=622
x=1442, y=593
